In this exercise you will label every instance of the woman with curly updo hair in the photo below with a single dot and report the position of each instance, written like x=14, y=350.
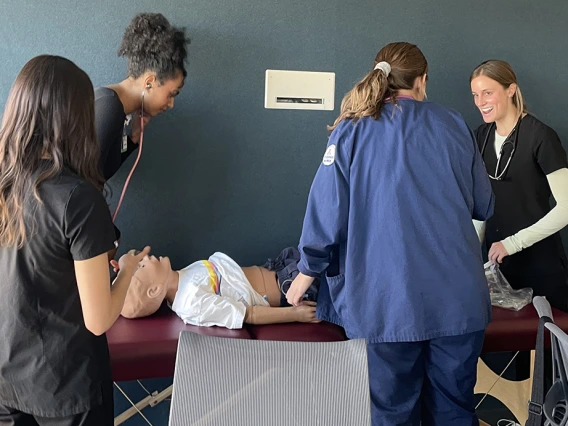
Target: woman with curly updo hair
x=156, y=53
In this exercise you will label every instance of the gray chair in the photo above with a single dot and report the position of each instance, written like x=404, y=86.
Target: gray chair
x=556, y=399
x=236, y=382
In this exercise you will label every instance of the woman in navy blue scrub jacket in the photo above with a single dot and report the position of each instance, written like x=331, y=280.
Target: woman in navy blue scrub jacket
x=389, y=225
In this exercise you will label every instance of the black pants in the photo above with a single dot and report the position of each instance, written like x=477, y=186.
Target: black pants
x=286, y=268
x=102, y=415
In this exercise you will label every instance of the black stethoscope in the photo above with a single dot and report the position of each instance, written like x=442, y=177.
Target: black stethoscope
x=513, y=143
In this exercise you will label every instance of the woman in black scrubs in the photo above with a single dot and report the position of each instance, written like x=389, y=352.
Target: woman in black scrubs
x=55, y=235
x=527, y=164
x=156, y=53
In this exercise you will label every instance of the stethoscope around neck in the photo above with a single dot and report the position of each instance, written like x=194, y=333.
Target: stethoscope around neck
x=140, y=143
x=501, y=176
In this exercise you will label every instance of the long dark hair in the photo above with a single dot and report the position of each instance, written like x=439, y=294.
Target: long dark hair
x=49, y=116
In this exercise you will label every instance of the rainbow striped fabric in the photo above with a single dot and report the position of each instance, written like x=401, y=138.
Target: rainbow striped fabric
x=214, y=277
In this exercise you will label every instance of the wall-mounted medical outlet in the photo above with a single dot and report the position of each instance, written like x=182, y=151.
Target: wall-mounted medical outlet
x=299, y=90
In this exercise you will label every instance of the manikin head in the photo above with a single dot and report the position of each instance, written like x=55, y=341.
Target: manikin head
x=148, y=287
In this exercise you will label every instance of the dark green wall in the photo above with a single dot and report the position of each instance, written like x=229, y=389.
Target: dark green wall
x=220, y=172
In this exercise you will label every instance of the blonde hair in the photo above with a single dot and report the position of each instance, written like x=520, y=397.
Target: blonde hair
x=366, y=99
x=502, y=73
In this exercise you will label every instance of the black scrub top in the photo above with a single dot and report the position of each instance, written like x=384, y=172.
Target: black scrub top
x=110, y=123
x=522, y=198
x=50, y=364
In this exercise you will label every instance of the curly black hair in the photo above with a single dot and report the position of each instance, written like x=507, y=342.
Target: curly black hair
x=151, y=44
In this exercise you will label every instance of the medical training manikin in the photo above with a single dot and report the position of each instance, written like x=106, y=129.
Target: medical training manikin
x=217, y=291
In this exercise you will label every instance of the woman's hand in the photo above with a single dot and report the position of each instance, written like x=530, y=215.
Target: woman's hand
x=298, y=288
x=130, y=260
x=497, y=252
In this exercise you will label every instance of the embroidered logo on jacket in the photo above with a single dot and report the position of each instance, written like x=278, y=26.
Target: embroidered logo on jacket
x=329, y=156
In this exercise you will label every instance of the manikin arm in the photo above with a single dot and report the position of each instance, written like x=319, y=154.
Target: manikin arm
x=199, y=307
x=269, y=315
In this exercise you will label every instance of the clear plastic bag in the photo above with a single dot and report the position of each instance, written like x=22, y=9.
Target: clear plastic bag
x=502, y=294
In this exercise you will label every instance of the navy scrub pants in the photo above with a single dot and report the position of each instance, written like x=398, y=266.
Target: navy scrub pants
x=427, y=383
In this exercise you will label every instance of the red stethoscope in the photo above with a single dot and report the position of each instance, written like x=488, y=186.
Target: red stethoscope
x=135, y=163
